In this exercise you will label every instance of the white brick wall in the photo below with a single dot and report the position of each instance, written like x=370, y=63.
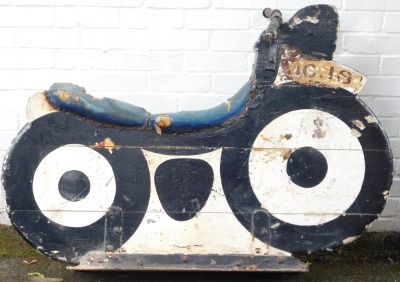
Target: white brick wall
x=170, y=55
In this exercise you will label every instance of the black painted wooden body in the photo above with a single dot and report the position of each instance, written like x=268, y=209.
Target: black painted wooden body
x=236, y=138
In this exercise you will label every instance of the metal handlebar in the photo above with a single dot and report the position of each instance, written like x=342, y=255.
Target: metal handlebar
x=272, y=31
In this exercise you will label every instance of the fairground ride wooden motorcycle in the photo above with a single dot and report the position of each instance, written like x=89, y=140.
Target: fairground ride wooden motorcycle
x=293, y=163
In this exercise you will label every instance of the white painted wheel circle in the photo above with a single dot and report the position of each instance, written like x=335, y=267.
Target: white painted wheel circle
x=327, y=200
x=74, y=213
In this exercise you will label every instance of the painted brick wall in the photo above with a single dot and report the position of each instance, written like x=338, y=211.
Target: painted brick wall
x=170, y=55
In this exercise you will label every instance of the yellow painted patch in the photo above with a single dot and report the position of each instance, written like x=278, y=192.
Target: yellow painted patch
x=306, y=70
x=162, y=121
x=64, y=95
x=107, y=144
x=228, y=105
x=326, y=73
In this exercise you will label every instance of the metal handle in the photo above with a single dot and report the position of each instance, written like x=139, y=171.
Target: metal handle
x=272, y=31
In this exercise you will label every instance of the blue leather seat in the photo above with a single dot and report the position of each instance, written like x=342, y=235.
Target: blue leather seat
x=73, y=98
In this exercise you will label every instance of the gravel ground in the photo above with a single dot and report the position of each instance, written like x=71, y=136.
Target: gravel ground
x=374, y=257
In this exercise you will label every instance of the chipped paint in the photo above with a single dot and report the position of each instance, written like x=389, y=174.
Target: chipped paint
x=386, y=194
x=297, y=20
x=285, y=154
x=107, y=144
x=320, y=131
x=121, y=250
x=370, y=119
x=275, y=226
x=359, y=124
x=64, y=95
x=356, y=133
x=252, y=268
x=349, y=240
x=228, y=105
x=162, y=121
x=286, y=136
x=303, y=69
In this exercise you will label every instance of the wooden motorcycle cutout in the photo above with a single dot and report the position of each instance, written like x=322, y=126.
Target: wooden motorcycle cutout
x=293, y=163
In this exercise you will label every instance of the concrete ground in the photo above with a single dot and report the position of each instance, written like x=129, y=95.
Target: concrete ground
x=373, y=257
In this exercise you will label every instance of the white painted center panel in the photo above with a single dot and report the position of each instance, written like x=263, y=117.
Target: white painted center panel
x=214, y=230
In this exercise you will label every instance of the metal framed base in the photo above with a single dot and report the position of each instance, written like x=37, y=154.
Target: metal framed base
x=98, y=261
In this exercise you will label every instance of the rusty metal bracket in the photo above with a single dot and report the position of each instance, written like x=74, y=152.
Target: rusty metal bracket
x=97, y=261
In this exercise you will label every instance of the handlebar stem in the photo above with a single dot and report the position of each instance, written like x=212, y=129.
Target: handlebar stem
x=272, y=31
